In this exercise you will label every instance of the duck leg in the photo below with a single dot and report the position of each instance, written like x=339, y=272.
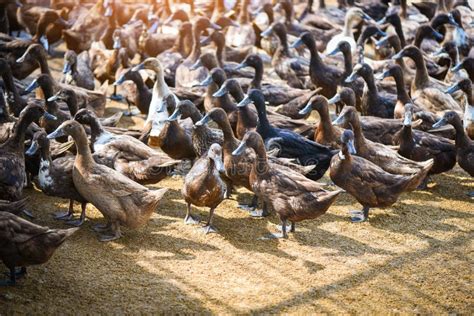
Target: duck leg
x=260, y=213
x=115, y=96
x=116, y=234
x=82, y=218
x=360, y=216
x=190, y=219
x=282, y=234
x=63, y=215
x=251, y=206
x=208, y=228
x=129, y=111
x=13, y=276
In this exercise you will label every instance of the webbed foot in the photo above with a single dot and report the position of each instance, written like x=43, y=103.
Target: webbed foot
x=209, y=229
x=7, y=283
x=358, y=218
x=470, y=194
x=105, y=237
x=76, y=222
x=259, y=213
x=116, y=97
x=100, y=228
x=191, y=220
x=274, y=236
x=288, y=227
x=63, y=216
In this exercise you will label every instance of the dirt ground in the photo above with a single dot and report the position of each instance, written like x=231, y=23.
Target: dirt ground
x=414, y=257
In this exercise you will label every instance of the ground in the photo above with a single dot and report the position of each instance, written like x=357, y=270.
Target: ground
x=414, y=257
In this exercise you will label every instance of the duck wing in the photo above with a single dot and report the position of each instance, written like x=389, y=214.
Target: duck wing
x=18, y=230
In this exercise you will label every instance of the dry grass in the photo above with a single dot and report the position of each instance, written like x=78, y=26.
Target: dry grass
x=414, y=257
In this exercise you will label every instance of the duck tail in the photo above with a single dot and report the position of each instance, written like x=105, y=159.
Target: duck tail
x=417, y=178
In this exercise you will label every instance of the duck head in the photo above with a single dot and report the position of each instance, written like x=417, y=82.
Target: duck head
x=464, y=85
x=224, y=22
x=168, y=104
x=43, y=81
x=252, y=140
x=183, y=110
x=34, y=111
x=467, y=63
x=67, y=128
x=356, y=14
x=117, y=39
x=408, y=116
x=40, y=141
x=217, y=115
x=347, y=115
x=410, y=51
x=33, y=50
x=426, y=31
x=178, y=15
x=152, y=64
x=84, y=116
x=347, y=139
x=251, y=60
x=204, y=23
x=215, y=155
x=276, y=28
x=70, y=59
x=317, y=103
x=128, y=75
x=342, y=47
x=392, y=18
x=360, y=70
x=305, y=39
x=255, y=97
x=392, y=70
x=449, y=117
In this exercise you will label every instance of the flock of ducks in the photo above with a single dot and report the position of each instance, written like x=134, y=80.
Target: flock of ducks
x=228, y=88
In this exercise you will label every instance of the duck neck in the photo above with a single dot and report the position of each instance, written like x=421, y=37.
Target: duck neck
x=141, y=88
x=325, y=126
x=470, y=101
x=421, y=74
x=237, y=93
x=263, y=124
x=359, y=137
x=402, y=94
x=258, y=76
x=345, y=156
x=244, y=12
x=406, y=138
x=17, y=140
x=96, y=128
x=220, y=53
x=43, y=64
x=369, y=80
x=315, y=60
x=45, y=153
x=226, y=104
x=196, y=52
x=462, y=140
x=84, y=156
x=160, y=88
x=195, y=115
x=399, y=31
x=403, y=9
x=260, y=165
x=12, y=90
x=227, y=131
x=348, y=66
x=72, y=104
x=283, y=43
x=347, y=30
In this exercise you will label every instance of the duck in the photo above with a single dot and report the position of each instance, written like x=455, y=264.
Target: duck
x=276, y=92
x=15, y=101
x=288, y=143
x=185, y=77
x=428, y=92
x=381, y=188
x=203, y=185
x=140, y=95
x=13, y=207
x=373, y=103
x=333, y=76
x=125, y=153
x=121, y=200
x=468, y=120
x=55, y=177
x=422, y=146
x=38, y=55
x=202, y=136
x=226, y=53
x=12, y=159
x=25, y=244
x=464, y=145
x=379, y=154
x=353, y=15
x=212, y=82
x=468, y=65
x=93, y=100
x=77, y=70
x=247, y=116
x=288, y=68
x=292, y=196
x=242, y=35
x=325, y=134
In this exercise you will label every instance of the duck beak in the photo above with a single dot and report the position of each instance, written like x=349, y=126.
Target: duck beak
x=205, y=83
x=54, y=97
x=440, y=123
x=335, y=51
x=339, y=121
x=457, y=67
x=57, y=133
x=351, y=147
x=452, y=89
x=120, y=80
x=162, y=107
x=154, y=27
x=221, y=92
x=18, y=4
x=206, y=41
x=117, y=43
x=297, y=43
x=240, y=66
x=397, y=56
x=62, y=22
x=351, y=78
x=49, y=117
x=439, y=52
x=239, y=150
x=22, y=58
x=382, y=75
x=336, y=98
x=218, y=163
x=366, y=17
x=381, y=43
x=408, y=118
x=246, y=101
x=108, y=11
x=267, y=32
x=44, y=41
x=382, y=21
x=307, y=109
x=452, y=21
x=139, y=67
x=206, y=119
x=175, y=116
x=381, y=33
x=196, y=65
x=33, y=148
x=437, y=36
x=215, y=26
x=67, y=68
x=32, y=87
x=234, y=24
